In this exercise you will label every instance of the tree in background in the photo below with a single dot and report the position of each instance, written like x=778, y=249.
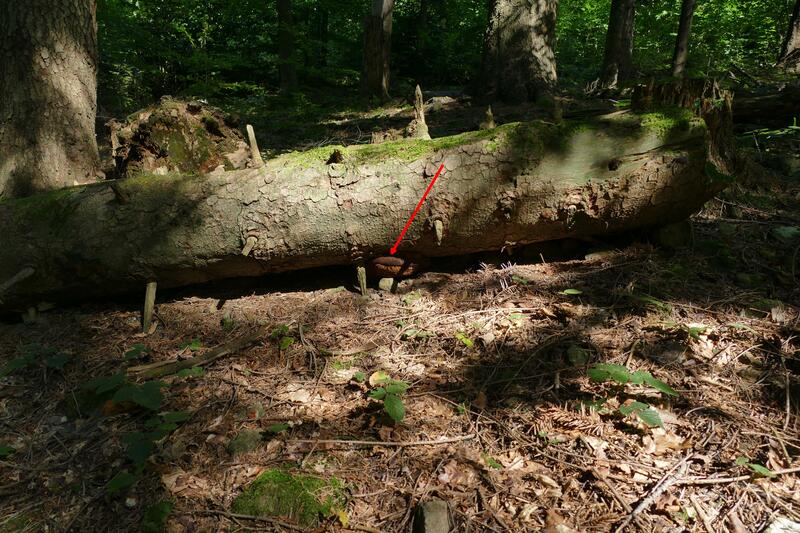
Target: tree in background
x=48, y=49
x=286, y=49
x=681, y=54
x=377, y=49
x=618, y=56
x=789, y=57
x=519, y=62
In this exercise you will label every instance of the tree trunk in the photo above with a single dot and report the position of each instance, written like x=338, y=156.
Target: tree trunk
x=519, y=63
x=286, y=51
x=618, y=58
x=321, y=23
x=789, y=58
x=682, y=42
x=48, y=53
x=512, y=185
x=377, y=48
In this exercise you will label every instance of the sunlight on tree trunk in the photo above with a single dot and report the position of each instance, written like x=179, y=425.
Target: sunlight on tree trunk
x=48, y=49
x=377, y=49
x=617, y=61
x=682, y=42
x=789, y=58
x=519, y=63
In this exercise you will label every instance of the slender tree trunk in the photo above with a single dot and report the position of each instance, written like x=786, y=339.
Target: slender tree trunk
x=682, y=42
x=48, y=95
x=286, y=51
x=519, y=63
x=322, y=36
x=377, y=49
x=618, y=58
x=789, y=57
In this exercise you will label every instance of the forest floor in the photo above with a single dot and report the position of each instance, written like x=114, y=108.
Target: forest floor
x=501, y=418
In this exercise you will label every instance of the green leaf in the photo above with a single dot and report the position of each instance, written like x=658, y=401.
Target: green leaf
x=57, y=361
x=787, y=233
x=660, y=385
x=602, y=372
x=571, y=292
x=577, y=356
x=742, y=460
x=279, y=332
x=394, y=407
x=633, y=407
x=465, y=340
x=411, y=297
x=104, y=383
x=16, y=364
x=397, y=387
x=492, y=462
x=278, y=428
x=193, y=345
x=519, y=280
x=650, y=417
x=176, y=416
x=137, y=351
x=122, y=480
x=148, y=395
x=155, y=517
x=360, y=377
x=5, y=451
x=378, y=394
x=191, y=372
x=138, y=447
x=640, y=376
x=286, y=342
x=761, y=470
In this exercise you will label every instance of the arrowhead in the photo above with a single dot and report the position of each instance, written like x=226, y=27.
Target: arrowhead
x=393, y=250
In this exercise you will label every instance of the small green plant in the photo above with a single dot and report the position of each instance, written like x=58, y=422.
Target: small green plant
x=761, y=470
x=33, y=354
x=466, y=341
x=192, y=345
x=281, y=335
x=137, y=351
x=389, y=391
x=621, y=376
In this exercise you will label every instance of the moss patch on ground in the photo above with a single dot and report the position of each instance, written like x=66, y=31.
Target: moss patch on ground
x=301, y=498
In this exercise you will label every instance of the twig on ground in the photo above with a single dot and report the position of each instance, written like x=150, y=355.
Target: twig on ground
x=658, y=489
x=165, y=368
x=397, y=444
x=238, y=516
x=722, y=480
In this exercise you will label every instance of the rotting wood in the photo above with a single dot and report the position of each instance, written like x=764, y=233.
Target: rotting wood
x=166, y=368
x=149, y=305
x=513, y=185
x=258, y=161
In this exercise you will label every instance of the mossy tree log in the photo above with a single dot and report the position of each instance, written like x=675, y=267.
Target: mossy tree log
x=515, y=184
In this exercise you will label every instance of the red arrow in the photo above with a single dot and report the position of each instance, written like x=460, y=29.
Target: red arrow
x=416, y=210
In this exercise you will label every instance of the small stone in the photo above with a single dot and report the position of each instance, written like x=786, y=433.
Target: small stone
x=387, y=284
x=131, y=502
x=432, y=516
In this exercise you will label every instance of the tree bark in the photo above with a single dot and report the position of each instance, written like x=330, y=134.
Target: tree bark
x=681, y=54
x=519, y=63
x=48, y=52
x=286, y=49
x=512, y=185
x=789, y=57
x=618, y=57
x=377, y=49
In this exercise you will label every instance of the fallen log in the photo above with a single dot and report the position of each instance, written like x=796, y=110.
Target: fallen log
x=512, y=185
